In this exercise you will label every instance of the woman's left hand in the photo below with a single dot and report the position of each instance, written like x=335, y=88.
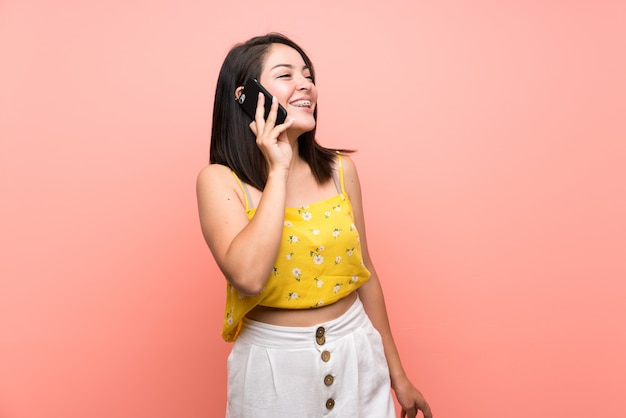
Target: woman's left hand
x=411, y=400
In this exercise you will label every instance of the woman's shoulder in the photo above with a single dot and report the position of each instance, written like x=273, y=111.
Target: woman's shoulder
x=215, y=175
x=348, y=166
x=214, y=171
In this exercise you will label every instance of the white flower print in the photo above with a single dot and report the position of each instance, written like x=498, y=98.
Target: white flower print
x=293, y=239
x=336, y=232
x=337, y=288
x=288, y=256
x=327, y=214
x=337, y=208
x=319, y=303
x=319, y=282
x=338, y=259
x=316, y=232
x=297, y=273
x=349, y=251
x=229, y=316
x=354, y=279
x=304, y=212
x=317, y=256
x=292, y=295
x=288, y=223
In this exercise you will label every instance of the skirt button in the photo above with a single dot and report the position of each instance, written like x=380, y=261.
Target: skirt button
x=320, y=332
x=330, y=403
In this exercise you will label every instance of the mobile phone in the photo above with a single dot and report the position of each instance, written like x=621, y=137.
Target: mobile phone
x=249, y=97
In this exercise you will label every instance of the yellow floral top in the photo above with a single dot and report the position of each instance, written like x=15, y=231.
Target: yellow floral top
x=318, y=263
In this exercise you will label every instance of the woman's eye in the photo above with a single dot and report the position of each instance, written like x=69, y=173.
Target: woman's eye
x=284, y=75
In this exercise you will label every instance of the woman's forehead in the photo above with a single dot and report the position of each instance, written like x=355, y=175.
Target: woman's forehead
x=280, y=54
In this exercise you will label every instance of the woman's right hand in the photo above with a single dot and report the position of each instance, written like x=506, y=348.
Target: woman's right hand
x=272, y=139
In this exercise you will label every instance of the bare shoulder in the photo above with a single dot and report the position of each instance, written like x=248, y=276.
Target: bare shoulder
x=215, y=178
x=221, y=205
x=216, y=183
x=213, y=173
x=348, y=164
x=350, y=175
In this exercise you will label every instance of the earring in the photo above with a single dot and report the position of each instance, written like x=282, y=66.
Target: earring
x=240, y=96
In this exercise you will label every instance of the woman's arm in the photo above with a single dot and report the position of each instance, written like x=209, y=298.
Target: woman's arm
x=371, y=294
x=245, y=250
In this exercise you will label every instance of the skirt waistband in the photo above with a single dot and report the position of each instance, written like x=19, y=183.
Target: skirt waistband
x=277, y=336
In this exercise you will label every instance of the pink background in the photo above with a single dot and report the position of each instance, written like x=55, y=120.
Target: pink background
x=492, y=147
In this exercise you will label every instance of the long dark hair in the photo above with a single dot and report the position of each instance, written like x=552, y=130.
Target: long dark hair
x=232, y=142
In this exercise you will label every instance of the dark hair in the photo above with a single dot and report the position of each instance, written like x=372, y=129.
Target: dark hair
x=232, y=142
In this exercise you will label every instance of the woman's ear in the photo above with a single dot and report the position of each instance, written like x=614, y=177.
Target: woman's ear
x=238, y=91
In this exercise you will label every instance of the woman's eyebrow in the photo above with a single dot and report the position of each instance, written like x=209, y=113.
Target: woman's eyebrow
x=291, y=67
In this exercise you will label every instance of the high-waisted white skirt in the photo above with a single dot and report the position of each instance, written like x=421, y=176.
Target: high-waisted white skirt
x=334, y=369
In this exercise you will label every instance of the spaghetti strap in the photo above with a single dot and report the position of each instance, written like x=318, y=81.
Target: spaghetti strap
x=244, y=189
x=340, y=173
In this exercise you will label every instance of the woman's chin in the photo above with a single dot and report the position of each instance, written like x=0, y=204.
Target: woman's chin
x=301, y=128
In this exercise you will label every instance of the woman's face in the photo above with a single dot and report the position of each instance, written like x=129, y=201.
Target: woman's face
x=286, y=76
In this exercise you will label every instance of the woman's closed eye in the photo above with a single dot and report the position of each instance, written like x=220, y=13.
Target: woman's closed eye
x=289, y=75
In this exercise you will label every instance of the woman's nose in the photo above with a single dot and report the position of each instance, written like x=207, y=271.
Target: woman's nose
x=304, y=83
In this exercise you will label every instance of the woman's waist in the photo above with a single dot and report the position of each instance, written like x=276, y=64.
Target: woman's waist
x=302, y=317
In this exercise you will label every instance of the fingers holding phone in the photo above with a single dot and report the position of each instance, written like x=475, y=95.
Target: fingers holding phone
x=271, y=137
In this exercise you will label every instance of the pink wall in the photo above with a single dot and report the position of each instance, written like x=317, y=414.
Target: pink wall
x=492, y=147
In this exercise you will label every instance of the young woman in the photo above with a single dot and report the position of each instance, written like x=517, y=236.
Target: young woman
x=283, y=218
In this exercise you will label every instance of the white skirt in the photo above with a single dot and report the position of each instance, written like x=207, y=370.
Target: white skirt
x=334, y=369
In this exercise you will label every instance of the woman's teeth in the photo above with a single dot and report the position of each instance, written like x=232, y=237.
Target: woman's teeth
x=302, y=103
